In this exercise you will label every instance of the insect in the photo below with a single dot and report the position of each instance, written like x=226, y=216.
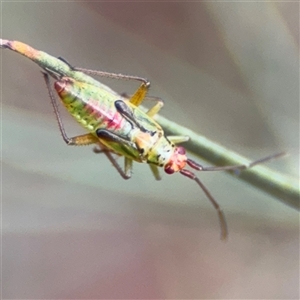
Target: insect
x=116, y=123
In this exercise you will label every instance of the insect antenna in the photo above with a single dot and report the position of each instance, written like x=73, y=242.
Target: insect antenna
x=222, y=220
x=198, y=167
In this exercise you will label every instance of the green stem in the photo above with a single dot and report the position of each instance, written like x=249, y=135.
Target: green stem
x=282, y=187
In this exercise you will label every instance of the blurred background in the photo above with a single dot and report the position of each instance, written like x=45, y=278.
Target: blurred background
x=73, y=228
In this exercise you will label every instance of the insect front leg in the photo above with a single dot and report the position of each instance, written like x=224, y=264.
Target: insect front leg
x=155, y=108
x=80, y=140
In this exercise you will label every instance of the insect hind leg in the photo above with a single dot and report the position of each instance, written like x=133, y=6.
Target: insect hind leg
x=80, y=140
x=138, y=96
x=127, y=113
x=110, y=136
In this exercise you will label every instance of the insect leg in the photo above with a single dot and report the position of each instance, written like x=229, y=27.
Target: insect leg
x=140, y=93
x=127, y=113
x=155, y=171
x=177, y=139
x=111, y=75
x=110, y=136
x=85, y=139
x=157, y=106
x=153, y=110
x=126, y=173
x=128, y=166
x=80, y=140
x=139, y=96
x=107, y=135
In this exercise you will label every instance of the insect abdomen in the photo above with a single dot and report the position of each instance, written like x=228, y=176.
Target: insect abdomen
x=82, y=101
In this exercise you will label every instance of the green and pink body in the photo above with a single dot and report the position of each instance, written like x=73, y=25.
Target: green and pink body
x=94, y=108
x=92, y=104
x=117, y=124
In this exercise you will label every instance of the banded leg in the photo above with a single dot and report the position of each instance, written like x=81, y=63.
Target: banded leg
x=80, y=140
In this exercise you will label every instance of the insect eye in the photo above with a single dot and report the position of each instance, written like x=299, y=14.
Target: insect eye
x=181, y=150
x=169, y=169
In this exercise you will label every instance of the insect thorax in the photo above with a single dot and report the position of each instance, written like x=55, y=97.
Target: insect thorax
x=161, y=152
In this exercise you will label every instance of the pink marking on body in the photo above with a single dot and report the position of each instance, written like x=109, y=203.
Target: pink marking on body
x=92, y=107
x=116, y=123
x=60, y=86
x=111, y=118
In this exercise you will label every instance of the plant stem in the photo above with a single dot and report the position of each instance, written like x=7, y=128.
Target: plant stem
x=282, y=187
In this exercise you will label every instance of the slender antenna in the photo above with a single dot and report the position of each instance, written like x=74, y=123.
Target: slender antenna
x=222, y=220
x=199, y=167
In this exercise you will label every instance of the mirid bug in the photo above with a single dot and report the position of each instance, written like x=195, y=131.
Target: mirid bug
x=116, y=123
